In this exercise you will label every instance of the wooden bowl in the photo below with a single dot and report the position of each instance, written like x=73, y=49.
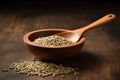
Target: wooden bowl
x=51, y=53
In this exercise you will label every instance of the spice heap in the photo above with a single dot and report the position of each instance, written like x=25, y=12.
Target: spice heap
x=42, y=69
x=52, y=41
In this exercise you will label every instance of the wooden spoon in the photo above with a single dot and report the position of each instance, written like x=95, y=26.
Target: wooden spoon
x=75, y=35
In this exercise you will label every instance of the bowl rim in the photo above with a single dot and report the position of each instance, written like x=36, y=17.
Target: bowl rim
x=27, y=41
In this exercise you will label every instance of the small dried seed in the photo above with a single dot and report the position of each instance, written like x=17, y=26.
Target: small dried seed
x=75, y=73
x=62, y=76
x=53, y=74
x=33, y=60
x=5, y=70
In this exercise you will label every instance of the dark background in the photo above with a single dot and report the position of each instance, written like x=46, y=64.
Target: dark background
x=99, y=58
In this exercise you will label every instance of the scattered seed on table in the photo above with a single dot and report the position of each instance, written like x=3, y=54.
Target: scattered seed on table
x=42, y=69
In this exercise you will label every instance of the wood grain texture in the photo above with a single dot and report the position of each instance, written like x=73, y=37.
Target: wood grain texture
x=99, y=58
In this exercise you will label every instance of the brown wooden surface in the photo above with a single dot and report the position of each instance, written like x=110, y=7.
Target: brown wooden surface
x=99, y=59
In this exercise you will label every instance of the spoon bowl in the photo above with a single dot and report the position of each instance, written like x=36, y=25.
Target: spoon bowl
x=54, y=53
x=75, y=35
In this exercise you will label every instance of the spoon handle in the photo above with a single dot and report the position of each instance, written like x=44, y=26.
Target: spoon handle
x=101, y=21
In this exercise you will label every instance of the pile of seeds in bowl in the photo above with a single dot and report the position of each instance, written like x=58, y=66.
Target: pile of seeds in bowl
x=52, y=41
x=42, y=69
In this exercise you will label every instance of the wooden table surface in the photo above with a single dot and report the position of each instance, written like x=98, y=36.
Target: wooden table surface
x=99, y=58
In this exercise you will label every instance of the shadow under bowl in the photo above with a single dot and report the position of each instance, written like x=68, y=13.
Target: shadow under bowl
x=51, y=53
